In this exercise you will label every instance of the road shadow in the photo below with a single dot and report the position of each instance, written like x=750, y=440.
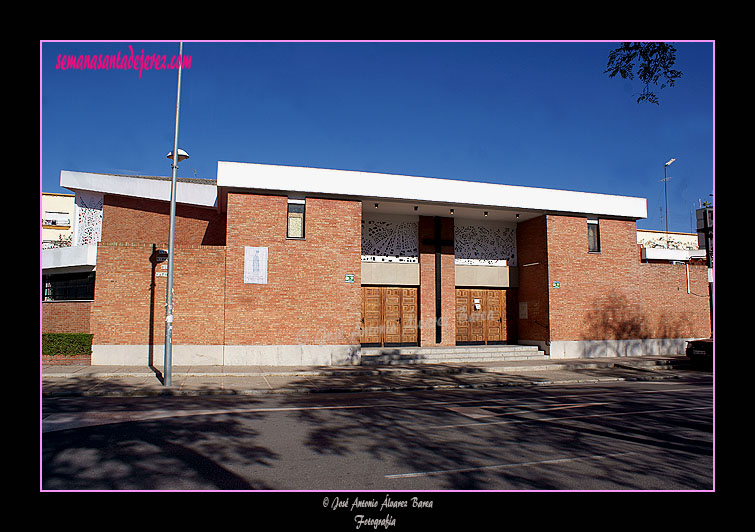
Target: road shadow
x=130, y=445
x=388, y=356
x=493, y=437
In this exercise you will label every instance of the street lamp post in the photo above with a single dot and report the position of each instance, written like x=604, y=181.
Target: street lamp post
x=665, y=196
x=176, y=155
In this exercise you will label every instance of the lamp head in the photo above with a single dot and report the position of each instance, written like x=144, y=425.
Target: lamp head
x=181, y=155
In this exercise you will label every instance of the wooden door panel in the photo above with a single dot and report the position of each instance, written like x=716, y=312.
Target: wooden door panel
x=392, y=315
x=477, y=302
x=494, y=315
x=481, y=315
x=504, y=316
x=389, y=315
x=409, y=314
x=462, y=315
x=372, y=319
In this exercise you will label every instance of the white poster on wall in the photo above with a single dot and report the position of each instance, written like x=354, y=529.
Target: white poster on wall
x=255, y=265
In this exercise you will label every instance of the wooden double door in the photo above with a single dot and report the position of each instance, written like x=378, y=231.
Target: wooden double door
x=389, y=315
x=481, y=316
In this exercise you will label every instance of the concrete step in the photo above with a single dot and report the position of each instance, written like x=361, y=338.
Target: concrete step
x=502, y=349
x=454, y=354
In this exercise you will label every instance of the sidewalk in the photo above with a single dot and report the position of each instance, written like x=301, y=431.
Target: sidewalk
x=61, y=381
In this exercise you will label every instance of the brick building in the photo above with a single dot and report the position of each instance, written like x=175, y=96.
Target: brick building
x=297, y=266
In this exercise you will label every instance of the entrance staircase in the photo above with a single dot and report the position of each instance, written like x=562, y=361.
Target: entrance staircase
x=378, y=356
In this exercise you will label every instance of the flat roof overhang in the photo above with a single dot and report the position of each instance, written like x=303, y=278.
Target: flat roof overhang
x=201, y=192
x=395, y=194
x=399, y=194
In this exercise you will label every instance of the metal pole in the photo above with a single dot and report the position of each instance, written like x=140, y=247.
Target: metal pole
x=169, y=290
x=665, y=196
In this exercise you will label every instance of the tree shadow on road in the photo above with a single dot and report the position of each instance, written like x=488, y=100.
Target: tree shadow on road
x=178, y=451
x=511, y=438
x=438, y=436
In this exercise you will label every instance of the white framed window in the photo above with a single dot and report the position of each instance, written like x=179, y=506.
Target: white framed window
x=295, y=218
x=593, y=235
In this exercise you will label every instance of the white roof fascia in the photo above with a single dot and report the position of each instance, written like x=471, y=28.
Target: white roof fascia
x=141, y=187
x=426, y=189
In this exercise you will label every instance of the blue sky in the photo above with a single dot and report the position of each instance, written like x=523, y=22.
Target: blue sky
x=534, y=114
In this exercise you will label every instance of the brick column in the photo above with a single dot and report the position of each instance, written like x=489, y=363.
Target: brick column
x=428, y=281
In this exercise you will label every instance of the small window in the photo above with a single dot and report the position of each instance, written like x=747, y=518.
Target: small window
x=295, y=225
x=68, y=287
x=593, y=236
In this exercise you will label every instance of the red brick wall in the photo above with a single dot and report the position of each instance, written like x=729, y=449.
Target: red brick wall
x=129, y=304
x=306, y=300
x=427, y=334
x=69, y=360
x=126, y=219
x=602, y=295
x=532, y=263
x=611, y=294
x=66, y=316
x=599, y=296
x=669, y=310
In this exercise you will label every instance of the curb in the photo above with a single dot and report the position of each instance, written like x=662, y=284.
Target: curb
x=420, y=369
x=171, y=392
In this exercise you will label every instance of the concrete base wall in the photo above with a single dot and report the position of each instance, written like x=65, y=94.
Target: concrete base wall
x=616, y=348
x=228, y=355
x=146, y=355
x=340, y=355
x=291, y=355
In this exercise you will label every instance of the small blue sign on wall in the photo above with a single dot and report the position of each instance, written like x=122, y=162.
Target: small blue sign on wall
x=556, y=284
x=349, y=278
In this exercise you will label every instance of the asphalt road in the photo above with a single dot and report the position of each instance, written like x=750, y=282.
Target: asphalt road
x=654, y=435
